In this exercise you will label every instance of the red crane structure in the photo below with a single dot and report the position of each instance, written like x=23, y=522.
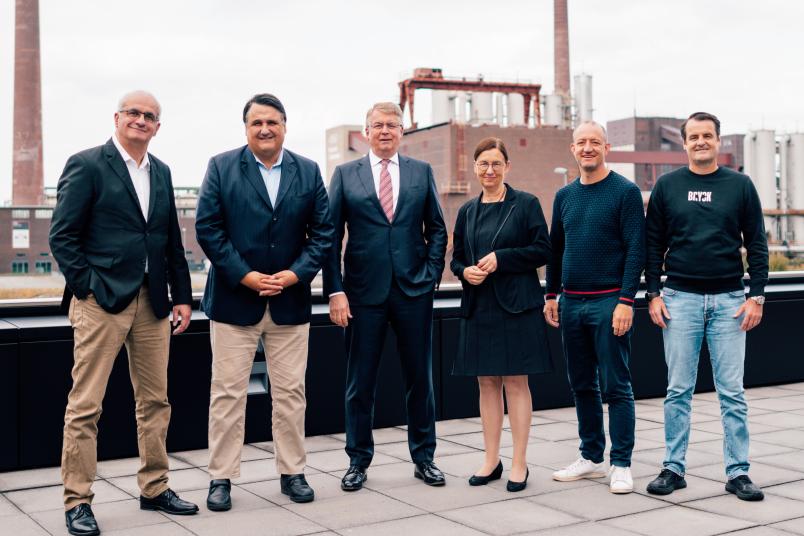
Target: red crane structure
x=424, y=78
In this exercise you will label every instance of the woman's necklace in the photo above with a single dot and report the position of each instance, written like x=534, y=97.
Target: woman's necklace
x=499, y=198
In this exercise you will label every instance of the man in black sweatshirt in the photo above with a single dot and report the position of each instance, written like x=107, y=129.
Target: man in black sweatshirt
x=698, y=219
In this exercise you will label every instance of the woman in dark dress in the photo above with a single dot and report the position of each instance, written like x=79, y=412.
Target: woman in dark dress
x=500, y=239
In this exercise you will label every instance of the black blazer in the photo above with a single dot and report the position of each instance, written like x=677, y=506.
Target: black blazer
x=521, y=245
x=100, y=238
x=240, y=230
x=411, y=249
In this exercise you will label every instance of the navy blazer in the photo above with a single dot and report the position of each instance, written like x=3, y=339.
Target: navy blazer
x=240, y=230
x=410, y=248
x=101, y=239
x=521, y=245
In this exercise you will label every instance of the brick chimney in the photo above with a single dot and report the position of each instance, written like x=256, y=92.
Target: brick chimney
x=561, y=48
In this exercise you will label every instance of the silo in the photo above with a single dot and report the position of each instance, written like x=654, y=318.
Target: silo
x=499, y=112
x=441, y=107
x=516, y=109
x=583, y=98
x=784, y=158
x=482, y=108
x=462, y=99
x=553, y=110
x=760, y=165
x=795, y=184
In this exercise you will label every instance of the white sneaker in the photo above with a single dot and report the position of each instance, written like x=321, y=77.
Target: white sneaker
x=621, y=481
x=580, y=468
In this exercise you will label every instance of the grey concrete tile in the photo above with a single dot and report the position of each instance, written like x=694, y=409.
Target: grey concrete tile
x=697, y=488
x=758, y=393
x=756, y=448
x=264, y=445
x=642, y=443
x=657, y=415
x=392, y=475
x=772, y=510
x=401, y=450
x=794, y=526
x=653, y=457
x=200, y=457
x=559, y=414
x=7, y=508
x=792, y=490
x=181, y=480
x=537, y=419
x=456, y=494
x=710, y=396
x=256, y=471
x=337, y=460
x=716, y=427
x=549, y=454
x=321, y=443
x=383, y=435
x=760, y=531
x=541, y=481
x=555, y=432
x=30, y=478
x=242, y=500
x=793, y=386
x=648, y=402
x=644, y=424
x=22, y=525
x=781, y=420
x=111, y=516
x=424, y=524
x=50, y=497
x=778, y=404
x=696, y=435
x=457, y=426
x=325, y=486
x=597, y=502
x=761, y=473
x=168, y=528
x=475, y=439
x=581, y=529
x=791, y=460
x=354, y=509
x=278, y=520
x=786, y=438
x=507, y=517
x=461, y=465
x=675, y=520
x=122, y=467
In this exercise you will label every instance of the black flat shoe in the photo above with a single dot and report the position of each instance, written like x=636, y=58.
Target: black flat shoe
x=297, y=488
x=744, y=489
x=431, y=474
x=220, y=495
x=496, y=474
x=168, y=502
x=81, y=521
x=354, y=478
x=518, y=486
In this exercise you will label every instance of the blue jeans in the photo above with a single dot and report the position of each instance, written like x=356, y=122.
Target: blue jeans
x=693, y=317
x=598, y=360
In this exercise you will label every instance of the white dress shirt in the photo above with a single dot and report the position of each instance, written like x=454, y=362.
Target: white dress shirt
x=141, y=177
x=271, y=176
x=393, y=169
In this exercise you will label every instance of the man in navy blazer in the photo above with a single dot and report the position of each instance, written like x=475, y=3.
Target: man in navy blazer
x=263, y=222
x=391, y=266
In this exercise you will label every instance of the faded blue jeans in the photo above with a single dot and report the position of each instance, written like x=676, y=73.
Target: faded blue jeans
x=693, y=317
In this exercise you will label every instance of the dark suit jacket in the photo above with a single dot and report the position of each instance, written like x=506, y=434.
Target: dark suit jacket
x=100, y=238
x=411, y=249
x=521, y=245
x=240, y=230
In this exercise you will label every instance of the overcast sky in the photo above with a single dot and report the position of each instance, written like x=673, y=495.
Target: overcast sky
x=328, y=61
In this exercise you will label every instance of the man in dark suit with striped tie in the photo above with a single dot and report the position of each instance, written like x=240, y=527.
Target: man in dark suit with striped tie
x=392, y=264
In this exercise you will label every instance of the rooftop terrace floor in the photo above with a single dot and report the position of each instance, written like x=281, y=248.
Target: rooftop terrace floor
x=393, y=502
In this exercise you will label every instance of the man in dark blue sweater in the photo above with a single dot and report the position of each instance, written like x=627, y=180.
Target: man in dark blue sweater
x=698, y=219
x=598, y=252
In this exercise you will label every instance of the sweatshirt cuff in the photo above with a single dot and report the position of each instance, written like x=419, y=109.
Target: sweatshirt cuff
x=550, y=296
x=626, y=300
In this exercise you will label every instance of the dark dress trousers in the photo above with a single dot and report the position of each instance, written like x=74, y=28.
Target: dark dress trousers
x=390, y=272
x=503, y=331
x=101, y=239
x=240, y=230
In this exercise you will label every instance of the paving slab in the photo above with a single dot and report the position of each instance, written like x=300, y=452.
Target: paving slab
x=597, y=502
x=794, y=526
x=555, y=431
x=457, y=426
x=321, y=443
x=354, y=509
x=761, y=473
x=782, y=420
x=541, y=481
x=420, y=525
x=401, y=450
x=716, y=427
x=325, y=486
x=758, y=393
x=475, y=439
x=760, y=531
x=163, y=529
x=697, y=488
x=382, y=435
x=509, y=517
x=790, y=460
x=337, y=460
x=787, y=438
x=792, y=490
x=7, y=508
x=181, y=480
x=456, y=494
x=111, y=516
x=30, y=478
x=696, y=435
x=200, y=457
x=273, y=520
x=22, y=525
x=675, y=520
x=771, y=510
x=756, y=448
x=50, y=497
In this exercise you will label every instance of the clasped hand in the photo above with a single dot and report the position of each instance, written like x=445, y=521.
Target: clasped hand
x=474, y=275
x=269, y=284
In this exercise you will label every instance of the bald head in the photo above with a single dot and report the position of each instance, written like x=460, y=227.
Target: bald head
x=139, y=94
x=588, y=127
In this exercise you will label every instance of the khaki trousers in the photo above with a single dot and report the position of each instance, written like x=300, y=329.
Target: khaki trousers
x=98, y=338
x=233, y=349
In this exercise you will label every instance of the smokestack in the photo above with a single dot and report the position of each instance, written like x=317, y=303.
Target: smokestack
x=28, y=177
x=561, y=48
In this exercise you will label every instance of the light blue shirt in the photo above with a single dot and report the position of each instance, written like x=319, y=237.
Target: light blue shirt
x=271, y=176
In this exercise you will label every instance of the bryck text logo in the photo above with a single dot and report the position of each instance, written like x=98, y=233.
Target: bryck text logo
x=703, y=197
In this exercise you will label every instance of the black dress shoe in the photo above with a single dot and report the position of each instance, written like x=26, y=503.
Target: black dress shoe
x=666, y=483
x=81, y=521
x=297, y=488
x=476, y=480
x=518, y=486
x=744, y=489
x=354, y=478
x=168, y=502
x=431, y=474
x=220, y=495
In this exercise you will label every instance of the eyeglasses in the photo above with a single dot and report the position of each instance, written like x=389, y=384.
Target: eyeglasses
x=133, y=113
x=484, y=166
x=390, y=126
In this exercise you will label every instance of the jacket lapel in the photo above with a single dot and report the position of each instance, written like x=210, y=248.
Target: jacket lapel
x=405, y=178
x=248, y=166
x=508, y=207
x=288, y=175
x=155, y=179
x=115, y=161
x=367, y=179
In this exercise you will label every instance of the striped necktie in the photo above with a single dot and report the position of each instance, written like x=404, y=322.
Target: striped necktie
x=386, y=191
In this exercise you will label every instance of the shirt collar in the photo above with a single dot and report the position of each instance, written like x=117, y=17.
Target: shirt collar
x=146, y=162
x=374, y=159
x=278, y=160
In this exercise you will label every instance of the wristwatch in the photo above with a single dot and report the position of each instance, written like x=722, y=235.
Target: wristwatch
x=759, y=300
x=650, y=295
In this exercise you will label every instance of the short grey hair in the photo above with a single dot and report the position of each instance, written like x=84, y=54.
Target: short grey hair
x=386, y=108
x=593, y=123
x=139, y=93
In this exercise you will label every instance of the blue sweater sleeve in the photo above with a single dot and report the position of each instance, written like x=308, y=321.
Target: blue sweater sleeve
x=632, y=228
